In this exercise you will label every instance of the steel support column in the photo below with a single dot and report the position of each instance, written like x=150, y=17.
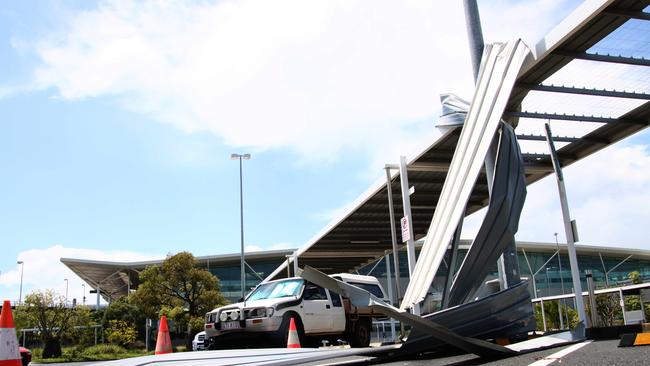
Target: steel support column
x=562, y=302
x=452, y=264
x=568, y=228
x=295, y=262
x=390, y=292
x=507, y=268
x=253, y=270
x=613, y=268
x=620, y=293
x=530, y=269
x=591, y=290
x=541, y=301
x=474, y=34
x=393, y=236
x=406, y=205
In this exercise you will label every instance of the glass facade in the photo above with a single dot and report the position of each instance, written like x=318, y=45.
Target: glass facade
x=229, y=276
x=548, y=278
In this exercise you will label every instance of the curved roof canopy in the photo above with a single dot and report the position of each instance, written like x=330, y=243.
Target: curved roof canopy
x=588, y=77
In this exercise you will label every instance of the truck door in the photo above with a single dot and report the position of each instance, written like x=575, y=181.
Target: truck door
x=316, y=306
x=337, y=313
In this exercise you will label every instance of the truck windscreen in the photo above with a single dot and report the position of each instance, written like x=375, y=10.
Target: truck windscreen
x=276, y=290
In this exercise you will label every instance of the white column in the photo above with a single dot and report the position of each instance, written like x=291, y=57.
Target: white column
x=406, y=204
x=568, y=228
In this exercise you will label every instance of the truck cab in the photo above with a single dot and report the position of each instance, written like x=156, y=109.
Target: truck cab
x=265, y=313
x=263, y=317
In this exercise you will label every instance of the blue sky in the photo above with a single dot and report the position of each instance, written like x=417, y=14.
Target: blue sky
x=118, y=120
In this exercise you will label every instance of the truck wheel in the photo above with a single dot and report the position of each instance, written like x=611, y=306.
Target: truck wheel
x=282, y=335
x=361, y=335
x=214, y=344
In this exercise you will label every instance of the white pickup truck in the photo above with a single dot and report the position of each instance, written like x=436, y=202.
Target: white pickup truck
x=263, y=317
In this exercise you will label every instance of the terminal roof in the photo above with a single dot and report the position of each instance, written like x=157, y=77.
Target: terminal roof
x=588, y=78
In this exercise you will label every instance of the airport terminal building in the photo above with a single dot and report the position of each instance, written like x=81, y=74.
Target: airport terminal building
x=538, y=261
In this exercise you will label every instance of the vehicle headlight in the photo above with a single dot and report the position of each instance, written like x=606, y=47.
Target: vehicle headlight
x=269, y=312
x=223, y=316
x=234, y=315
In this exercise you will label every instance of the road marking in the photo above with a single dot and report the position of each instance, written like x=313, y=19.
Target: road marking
x=558, y=355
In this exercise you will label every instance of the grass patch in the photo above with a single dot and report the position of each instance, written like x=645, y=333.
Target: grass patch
x=100, y=352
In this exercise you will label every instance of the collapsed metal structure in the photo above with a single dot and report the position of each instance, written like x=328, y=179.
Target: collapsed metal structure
x=499, y=69
x=508, y=312
x=500, y=90
x=608, y=34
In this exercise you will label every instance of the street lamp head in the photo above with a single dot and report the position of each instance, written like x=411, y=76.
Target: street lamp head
x=240, y=156
x=19, y=262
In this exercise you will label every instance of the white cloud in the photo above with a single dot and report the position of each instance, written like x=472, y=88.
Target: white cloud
x=315, y=77
x=278, y=246
x=248, y=248
x=44, y=270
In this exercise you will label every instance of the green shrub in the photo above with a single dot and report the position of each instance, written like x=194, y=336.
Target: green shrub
x=37, y=353
x=103, y=349
x=72, y=353
x=121, y=333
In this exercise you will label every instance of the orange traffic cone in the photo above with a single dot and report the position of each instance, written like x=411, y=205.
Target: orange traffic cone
x=293, y=341
x=9, y=351
x=163, y=342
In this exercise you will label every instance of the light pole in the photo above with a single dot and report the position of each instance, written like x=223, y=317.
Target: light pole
x=22, y=267
x=66, y=292
x=241, y=217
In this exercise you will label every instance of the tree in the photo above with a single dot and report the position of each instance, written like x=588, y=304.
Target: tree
x=635, y=277
x=47, y=311
x=124, y=309
x=180, y=290
x=552, y=311
x=608, y=309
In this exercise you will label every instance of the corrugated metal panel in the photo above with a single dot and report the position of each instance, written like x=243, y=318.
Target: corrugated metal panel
x=441, y=333
x=501, y=220
x=499, y=69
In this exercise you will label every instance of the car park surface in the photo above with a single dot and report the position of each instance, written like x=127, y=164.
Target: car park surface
x=590, y=354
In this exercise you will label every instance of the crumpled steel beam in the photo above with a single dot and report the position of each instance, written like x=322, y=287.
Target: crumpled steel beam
x=501, y=220
x=505, y=314
x=499, y=69
x=360, y=297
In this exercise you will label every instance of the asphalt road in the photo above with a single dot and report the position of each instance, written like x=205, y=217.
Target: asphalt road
x=65, y=364
x=587, y=353
x=591, y=354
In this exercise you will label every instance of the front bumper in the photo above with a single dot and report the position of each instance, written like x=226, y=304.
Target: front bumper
x=254, y=325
